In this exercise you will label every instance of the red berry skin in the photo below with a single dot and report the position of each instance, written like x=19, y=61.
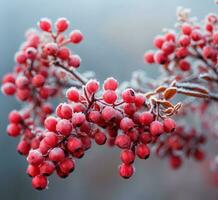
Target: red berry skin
x=92, y=86
x=78, y=119
x=74, y=144
x=67, y=166
x=175, y=162
x=14, y=117
x=66, y=111
x=156, y=128
x=158, y=42
x=39, y=182
x=142, y=151
x=126, y=171
x=76, y=36
x=8, y=89
x=74, y=61
x=50, y=49
x=145, y=138
x=100, y=138
x=23, y=147
x=50, y=123
x=38, y=80
x=61, y=25
x=51, y=139
x=13, y=129
x=149, y=57
x=199, y=155
x=63, y=53
x=35, y=157
x=126, y=124
x=123, y=141
x=22, y=82
x=215, y=38
x=186, y=29
x=169, y=125
x=110, y=84
x=109, y=96
x=108, y=113
x=184, y=65
x=32, y=170
x=64, y=127
x=160, y=58
x=56, y=154
x=72, y=94
x=45, y=24
x=145, y=118
x=47, y=168
x=128, y=96
x=127, y=156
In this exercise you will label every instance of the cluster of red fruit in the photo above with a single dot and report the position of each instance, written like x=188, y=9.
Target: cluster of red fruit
x=127, y=119
x=177, y=50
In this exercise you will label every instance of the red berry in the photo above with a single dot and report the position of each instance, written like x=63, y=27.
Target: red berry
x=145, y=118
x=32, y=170
x=78, y=119
x=64, y=127
x=39, y=182
x=92, y=86
x=127, y=156
x=175, y=162
x=56, y=154
x=184, y=65
x=45, y=24
x=158, y=42
x=123, y=141
x=8, y=89
x=50, y=123
x=128, y=95
x=108, y=113
x=126, y=171
x=14, y=117
x=13, y=129
x=63, y=53
x=67, y=165
x=66, y=111
x=76, y=36
x=72, y=94
x=149, y=57
x=47, y=168
x=35, y=157
x=126, y=124
x=74, y=61
x=109, y=96
x=142, y=151
x=38, y=80
x=110, y=84
x=100, y=138
x=215, y=38
x=23, y=147
x=51, y=139
x=74, y=144
x=169, y=125
x=61, y=25
x=156, y=128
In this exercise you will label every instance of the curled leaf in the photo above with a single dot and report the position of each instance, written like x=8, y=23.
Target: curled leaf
x=170, y=92
x=165, y=103
x=160, y=89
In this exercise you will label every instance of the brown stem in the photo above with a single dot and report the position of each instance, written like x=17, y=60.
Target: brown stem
x=74, y=74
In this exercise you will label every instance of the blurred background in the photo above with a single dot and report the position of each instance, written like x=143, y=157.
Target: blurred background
x=117, y=33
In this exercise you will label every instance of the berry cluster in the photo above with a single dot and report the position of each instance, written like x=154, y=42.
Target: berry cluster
x=137, y=120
